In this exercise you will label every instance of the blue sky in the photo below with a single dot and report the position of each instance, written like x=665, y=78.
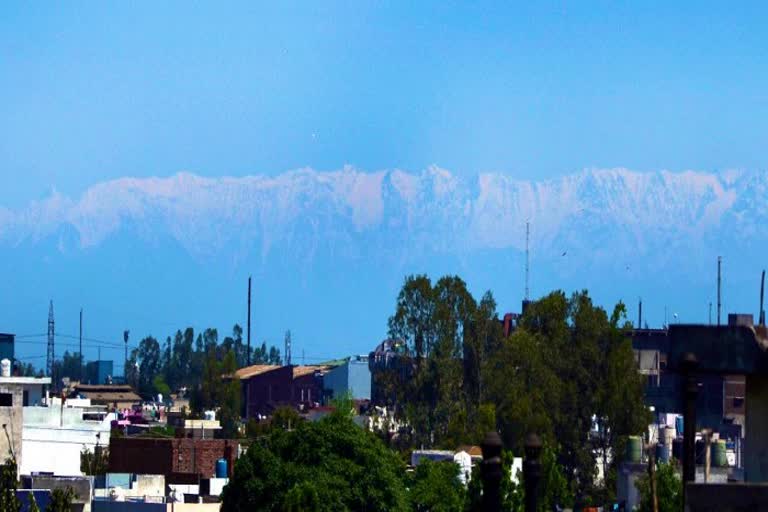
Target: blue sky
x=92, y=91
x=95, y=91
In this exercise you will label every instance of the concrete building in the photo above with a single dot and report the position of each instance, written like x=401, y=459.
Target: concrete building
x=54, y=436
x=267, y=387
x=99, y=372
x=7, y=344
x=391, y=368
x=173, y=458
x=14, y=393
x=115, y=396
x=353, y=377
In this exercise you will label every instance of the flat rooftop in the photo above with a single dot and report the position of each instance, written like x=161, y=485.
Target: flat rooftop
x=25, y=380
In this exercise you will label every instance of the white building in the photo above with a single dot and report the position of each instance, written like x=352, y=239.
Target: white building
x=15, y=392
x=53, y=437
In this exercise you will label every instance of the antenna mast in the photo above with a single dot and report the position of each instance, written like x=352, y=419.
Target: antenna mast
x=527, y=259
x=80, y=371
x=719, y=284
x=248, y=351
x=51, y=351
x=762, y=295
x=640, y=314
x=288, y=347
x=125, y=367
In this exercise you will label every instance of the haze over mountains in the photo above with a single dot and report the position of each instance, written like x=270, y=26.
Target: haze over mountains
x=328, y=250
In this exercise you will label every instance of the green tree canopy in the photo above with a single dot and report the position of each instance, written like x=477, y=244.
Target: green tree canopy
x=329, y=465
x=435, y=487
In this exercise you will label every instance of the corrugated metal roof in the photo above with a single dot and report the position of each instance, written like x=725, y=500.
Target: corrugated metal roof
x=256, y=369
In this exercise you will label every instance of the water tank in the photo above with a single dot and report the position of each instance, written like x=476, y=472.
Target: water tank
x=634, y=449
x=5, y=368
x=669, y=436
x=679, y=425
x=701, y=450
x=662, y=453
x=719, y=458
x=677, y=449
x=221, y=468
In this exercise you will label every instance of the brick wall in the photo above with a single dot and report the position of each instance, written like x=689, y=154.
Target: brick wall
x=166, y=456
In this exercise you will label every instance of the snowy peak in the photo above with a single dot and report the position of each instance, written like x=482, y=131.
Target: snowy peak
x=429, y=211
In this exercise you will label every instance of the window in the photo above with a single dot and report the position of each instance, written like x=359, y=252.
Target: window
x=25, y=399
x=6, y=400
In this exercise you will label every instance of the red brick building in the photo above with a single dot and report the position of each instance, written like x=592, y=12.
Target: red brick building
x=267, y=387
x=195, y=457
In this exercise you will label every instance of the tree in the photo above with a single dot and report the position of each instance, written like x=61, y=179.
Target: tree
x=329, y=465
x=69, y=365
x=218, y=390
x=32, y=503
x=8, y=485
x=161, y=387
x=94, y=462
x=435, y=487
x=61, y=500
x=669, y=490
x=149, y=358
x=597, y=379
x=413, y=318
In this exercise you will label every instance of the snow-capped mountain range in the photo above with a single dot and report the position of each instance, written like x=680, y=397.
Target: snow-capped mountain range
x=433, y=210
x=321, y=242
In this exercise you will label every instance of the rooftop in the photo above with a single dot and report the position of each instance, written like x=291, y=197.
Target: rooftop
x=25, y=380
x=108, y=392
x=260, y=369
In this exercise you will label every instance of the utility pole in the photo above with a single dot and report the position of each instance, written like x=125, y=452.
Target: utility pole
x=81, y=346
x=51, y=352
x=248, y=351
x=719, y=284
x=288, y=348
x=126, y=333
x=527, y=260
x=710, y=313
x=640, y=314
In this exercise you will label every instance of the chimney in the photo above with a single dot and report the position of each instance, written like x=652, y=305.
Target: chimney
x=740, y=319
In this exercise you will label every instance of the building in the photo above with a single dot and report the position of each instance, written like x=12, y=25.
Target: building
x=391, y=367
x=179, y=460
x=99, y=372
x=15, y=392
x=54, y=436
x=721, y=398
x=267, y=387
x=352, y=377
x=115, y=396
x=207, y=428
x=7, y=344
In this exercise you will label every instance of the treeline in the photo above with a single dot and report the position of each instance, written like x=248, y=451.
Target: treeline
x=180, y=361
x=566, y=373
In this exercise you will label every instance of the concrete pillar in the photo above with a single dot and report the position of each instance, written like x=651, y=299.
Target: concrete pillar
x=690, y=393
x=491, y=472
x=532, y=472
x=755, y=450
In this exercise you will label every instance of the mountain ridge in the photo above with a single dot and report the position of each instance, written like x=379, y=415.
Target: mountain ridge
x=433, y=208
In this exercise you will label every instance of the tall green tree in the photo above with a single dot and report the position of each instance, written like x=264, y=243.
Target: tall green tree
x=329, y=465
x=149, y=363
x=8, y=485
x=435, y=487
x=669, y=490
x=61, y=500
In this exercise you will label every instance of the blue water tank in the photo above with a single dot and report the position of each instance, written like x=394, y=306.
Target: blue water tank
x=662, y=453
x=679, y=425
x=221, y=468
